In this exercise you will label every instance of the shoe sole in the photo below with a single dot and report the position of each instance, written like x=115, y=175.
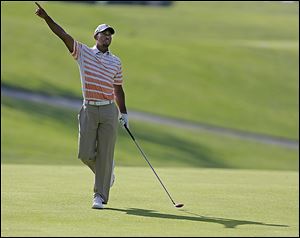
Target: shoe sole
x=97, y=207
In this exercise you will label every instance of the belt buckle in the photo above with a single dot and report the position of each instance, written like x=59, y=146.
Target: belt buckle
x=99, y=103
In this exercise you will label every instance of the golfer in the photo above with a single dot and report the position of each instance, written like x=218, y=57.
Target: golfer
x=101, y=81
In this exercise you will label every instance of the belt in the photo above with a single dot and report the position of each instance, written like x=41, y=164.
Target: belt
x=98, y=103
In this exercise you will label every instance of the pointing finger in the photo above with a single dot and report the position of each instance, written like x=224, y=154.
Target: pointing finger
x=38, y=5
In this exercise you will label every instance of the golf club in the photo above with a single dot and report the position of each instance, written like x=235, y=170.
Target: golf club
x=178, y=205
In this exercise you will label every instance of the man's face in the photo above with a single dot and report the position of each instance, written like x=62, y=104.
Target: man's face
x=104, y=38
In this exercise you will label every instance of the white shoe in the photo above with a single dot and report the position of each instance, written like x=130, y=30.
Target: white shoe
x=97, y=203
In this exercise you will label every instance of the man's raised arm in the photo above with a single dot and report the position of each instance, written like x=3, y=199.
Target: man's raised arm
x=67, y=39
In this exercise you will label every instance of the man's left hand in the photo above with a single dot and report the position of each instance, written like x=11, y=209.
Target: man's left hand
x=124, y=120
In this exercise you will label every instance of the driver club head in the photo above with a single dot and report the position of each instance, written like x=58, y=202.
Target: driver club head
x=179, y=205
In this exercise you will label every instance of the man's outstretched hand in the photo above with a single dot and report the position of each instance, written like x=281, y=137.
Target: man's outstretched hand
x=40, y=11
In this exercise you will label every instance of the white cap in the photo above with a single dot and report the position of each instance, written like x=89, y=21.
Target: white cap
x=104, y=27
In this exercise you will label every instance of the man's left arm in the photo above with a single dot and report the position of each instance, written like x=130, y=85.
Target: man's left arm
x=120, y=99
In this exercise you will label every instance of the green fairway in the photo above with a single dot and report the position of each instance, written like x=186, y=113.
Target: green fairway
x=231, y=64
x=45, y=200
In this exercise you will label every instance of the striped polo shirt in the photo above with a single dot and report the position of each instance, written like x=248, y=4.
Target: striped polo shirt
x=98, y=72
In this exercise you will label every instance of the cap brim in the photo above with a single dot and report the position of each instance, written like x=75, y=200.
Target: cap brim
x=112, y=31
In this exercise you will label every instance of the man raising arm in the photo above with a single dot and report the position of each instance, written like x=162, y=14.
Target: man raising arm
x=101, y=81
x=66, y=38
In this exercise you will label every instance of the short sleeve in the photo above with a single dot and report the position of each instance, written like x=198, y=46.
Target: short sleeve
x=118, y=80
x=76, y=50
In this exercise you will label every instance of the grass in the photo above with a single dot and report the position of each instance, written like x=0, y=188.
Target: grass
x=55, y=200
x=34, y=134
x=46, y=191
x=231, y=64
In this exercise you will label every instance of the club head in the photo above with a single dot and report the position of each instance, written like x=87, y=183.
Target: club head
x=179, y=205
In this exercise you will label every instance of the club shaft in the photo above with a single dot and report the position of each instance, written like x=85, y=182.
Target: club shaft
x=145, y=157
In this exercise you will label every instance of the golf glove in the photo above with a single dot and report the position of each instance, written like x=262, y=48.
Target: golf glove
x=124, y=120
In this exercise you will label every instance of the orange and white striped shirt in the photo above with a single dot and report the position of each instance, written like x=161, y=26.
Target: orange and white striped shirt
x=98, y=72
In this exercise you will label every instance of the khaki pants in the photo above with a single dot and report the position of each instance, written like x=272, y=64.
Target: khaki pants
x=97, y=137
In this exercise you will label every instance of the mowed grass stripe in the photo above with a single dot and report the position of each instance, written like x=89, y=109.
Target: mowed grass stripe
x=54, y=200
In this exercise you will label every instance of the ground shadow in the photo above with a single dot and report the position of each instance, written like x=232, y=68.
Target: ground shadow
x=228, y=223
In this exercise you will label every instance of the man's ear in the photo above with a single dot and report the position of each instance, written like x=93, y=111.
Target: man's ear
x=96, y=36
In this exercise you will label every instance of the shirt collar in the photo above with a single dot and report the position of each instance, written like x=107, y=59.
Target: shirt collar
x=96, y=51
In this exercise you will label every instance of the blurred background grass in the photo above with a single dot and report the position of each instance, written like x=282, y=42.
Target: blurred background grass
x=230, y=64
x=35, y=134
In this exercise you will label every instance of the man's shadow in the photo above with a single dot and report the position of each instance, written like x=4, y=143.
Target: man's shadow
x=228, y=223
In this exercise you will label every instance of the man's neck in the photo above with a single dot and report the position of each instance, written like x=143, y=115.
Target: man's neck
x=103, y=49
